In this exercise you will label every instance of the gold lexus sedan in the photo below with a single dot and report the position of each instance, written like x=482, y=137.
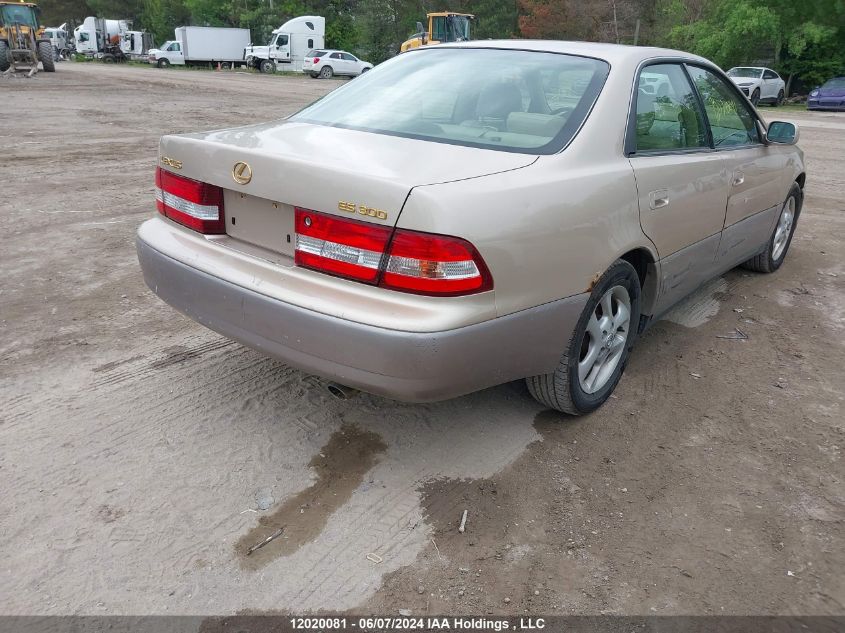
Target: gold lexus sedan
x=467, y=215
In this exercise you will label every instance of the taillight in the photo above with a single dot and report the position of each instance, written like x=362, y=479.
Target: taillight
x=316, y=60
x=197, y=205
x=429, y=264
x=342, y=247
x=408, y=261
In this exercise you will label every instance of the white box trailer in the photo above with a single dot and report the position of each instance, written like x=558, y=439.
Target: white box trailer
x=203, y=46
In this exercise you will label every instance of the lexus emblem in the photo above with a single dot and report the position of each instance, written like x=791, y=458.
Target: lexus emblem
x=241, y=173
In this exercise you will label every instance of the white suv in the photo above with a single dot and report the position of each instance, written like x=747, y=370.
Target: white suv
x=760, y=85
x=325, y=63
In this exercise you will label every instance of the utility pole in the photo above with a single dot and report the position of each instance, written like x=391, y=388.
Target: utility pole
x=615, y=22
x=637, y=32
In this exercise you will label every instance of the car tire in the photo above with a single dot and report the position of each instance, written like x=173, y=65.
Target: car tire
x=579, y=385
x=755, y=97
x=162, y=63
x=267, y=66
x=778, y=245
x=5, y=57
x=363, y=70
x=779, y=100
x=45, y=53
x=326, y=72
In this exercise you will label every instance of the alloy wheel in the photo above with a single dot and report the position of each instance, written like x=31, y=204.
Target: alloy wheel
x=604, y=340
x=784, y=228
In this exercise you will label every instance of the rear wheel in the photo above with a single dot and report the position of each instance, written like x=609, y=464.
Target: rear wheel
x=595, y=358
x=267, y=66
x=226, y=65
x=108, y=58
x=326, y=72
x=162, y=63
x=45, y=53
x=772, y=257
x=5, y=57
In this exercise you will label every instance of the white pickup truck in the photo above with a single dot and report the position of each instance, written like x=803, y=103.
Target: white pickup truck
x=760, y=85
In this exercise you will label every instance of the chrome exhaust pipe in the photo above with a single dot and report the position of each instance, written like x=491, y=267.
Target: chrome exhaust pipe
x=341, y=392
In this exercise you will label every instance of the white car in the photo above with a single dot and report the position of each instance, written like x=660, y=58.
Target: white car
x=325, y=63
x=760, y=85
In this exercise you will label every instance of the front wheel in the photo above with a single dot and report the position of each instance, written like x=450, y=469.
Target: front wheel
x=5, y=57
x=592, y=364
x=162, y=63
x=755, y=97
x=775, y=252
x=326, y=72
x=779, y=100
x=45, y=53
x=267, y=66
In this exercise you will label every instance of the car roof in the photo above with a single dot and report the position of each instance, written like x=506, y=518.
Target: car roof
x=607, y=52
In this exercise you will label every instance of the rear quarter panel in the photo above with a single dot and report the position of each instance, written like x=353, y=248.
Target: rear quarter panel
x=546, y=231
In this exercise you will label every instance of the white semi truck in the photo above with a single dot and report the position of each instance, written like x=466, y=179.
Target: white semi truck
x=288, y=45
x=202, y=46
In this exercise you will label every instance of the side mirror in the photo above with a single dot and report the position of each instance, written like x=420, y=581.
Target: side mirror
x=782, y=133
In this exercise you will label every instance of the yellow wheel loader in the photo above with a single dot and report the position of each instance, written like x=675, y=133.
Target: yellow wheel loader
x=442, y=27
x=22, y=41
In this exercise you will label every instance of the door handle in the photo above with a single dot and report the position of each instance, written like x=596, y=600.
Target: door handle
x=738, y=179
x=658, y=199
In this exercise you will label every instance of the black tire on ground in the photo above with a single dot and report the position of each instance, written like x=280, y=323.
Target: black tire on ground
x=755, y=96
x=561, y=389
x=326, y=72
x=162, y=63
x=108, y=58
x=45, y=53
x=779, y=100
x=226, y=65
x=5, y=59
x=267, y=66
x=766, y=262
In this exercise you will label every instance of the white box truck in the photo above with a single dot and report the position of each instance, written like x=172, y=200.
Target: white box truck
x=289, y=44
x=203, y=46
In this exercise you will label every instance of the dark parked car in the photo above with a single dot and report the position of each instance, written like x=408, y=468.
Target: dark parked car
x=830, y=96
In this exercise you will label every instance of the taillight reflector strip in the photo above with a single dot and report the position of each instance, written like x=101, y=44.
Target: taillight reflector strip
x=197, y=205
x=408, y=261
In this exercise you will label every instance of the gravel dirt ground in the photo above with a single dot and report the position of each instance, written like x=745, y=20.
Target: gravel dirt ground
x=142, y=455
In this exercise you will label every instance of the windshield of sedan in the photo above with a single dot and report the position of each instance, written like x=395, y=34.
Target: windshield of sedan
x=751, y=73
x=836, y=82
x=518, y=101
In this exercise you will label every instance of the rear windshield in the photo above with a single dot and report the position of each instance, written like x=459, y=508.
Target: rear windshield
x=315, y=53
x=517, y=101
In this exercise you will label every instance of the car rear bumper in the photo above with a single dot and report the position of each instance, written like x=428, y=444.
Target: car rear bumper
x=409, y=366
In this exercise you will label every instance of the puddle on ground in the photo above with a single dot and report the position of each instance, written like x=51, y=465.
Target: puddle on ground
x=340, y=466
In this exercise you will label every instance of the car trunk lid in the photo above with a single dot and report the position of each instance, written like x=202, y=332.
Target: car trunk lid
x=268, y=170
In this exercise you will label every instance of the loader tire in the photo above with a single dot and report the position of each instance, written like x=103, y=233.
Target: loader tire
x=5, y=57
x=45, y=52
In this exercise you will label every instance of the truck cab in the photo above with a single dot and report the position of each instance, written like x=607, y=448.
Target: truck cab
x=169, y=53
x=288, y=44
